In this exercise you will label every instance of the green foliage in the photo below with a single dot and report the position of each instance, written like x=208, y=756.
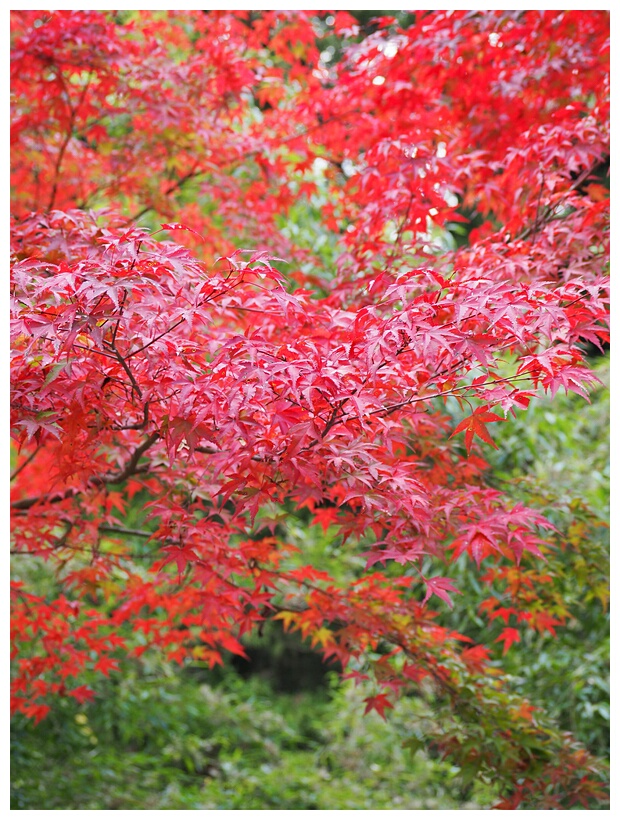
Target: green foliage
x=556, y=454
x=562, y=444
x=157, y=740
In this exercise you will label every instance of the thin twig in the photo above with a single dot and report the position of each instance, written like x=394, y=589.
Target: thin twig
x=134, y=384
x=550, y=210
x=18, y=470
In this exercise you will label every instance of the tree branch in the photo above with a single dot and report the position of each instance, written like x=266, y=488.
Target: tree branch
x=130, y=468
x=18, y=470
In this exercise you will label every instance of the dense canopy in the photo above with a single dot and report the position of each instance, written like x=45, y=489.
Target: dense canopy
x=300, y=265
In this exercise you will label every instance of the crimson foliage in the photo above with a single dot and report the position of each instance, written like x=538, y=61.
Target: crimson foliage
x=222, y=389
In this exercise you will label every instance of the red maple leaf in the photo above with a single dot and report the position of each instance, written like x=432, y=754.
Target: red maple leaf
x=106, y=665
x=476, y=425
x=508, y=636
x=81, y=693
x=379, y=703
x=440, y=587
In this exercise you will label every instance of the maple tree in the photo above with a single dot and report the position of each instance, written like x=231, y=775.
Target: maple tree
x=175, y=404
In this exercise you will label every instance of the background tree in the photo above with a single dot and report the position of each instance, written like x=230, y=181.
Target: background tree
x=176, y=408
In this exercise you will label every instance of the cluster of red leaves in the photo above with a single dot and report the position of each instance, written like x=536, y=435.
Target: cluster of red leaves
x=200, y=383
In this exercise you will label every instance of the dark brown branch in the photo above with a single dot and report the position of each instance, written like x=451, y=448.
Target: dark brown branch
x=50, y=498
x=160, y=336
x=131, y=468
x=125, y=531
x=139, y=425
x=18, y=470
x=134, y=384
x=70, y=133
x=171, y=189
